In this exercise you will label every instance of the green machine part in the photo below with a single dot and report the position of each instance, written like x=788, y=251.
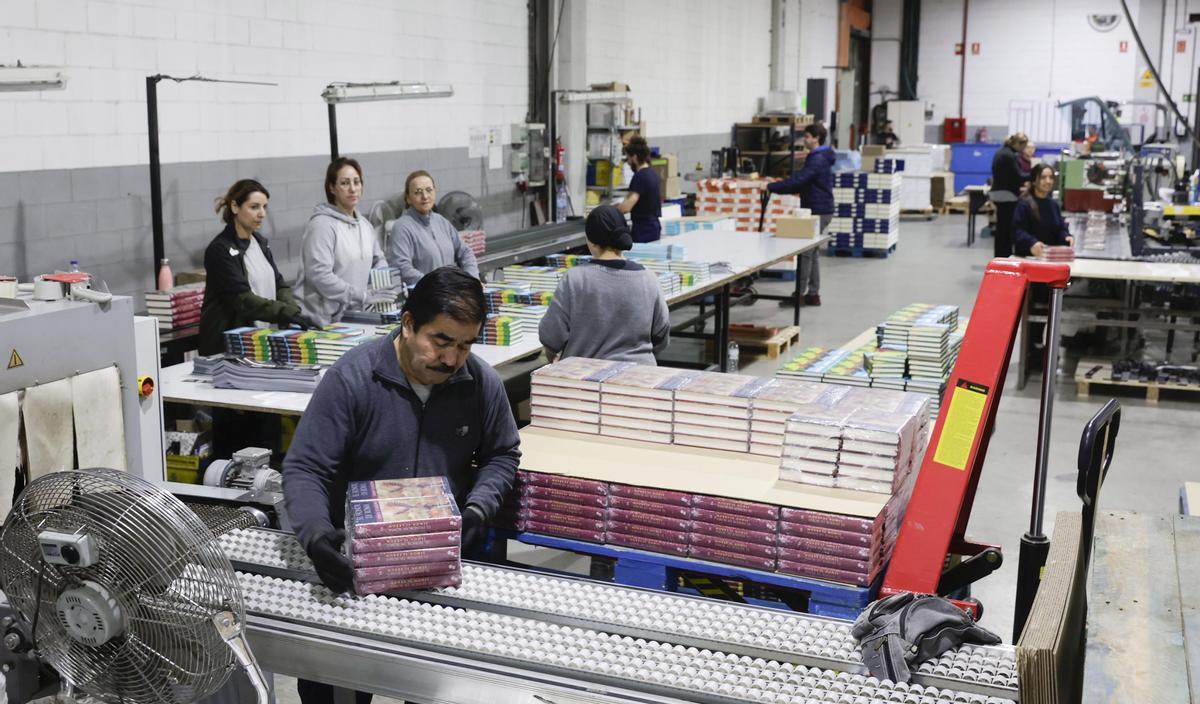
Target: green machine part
x=1072, y=173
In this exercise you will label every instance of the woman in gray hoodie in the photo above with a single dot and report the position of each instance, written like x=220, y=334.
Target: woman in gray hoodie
x=339, y=250
x=423, y=240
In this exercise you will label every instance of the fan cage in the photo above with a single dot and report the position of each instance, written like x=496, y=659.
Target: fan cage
x=157, y=559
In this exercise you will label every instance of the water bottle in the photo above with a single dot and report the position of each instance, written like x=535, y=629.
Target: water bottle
x=166, y=279
x=74, y=265
x=733, y=356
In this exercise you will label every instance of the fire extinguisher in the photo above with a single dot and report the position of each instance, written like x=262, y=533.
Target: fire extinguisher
x=560, y=161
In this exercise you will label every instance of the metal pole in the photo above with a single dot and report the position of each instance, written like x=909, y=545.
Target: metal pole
x=1035, y=546
x=156, y=212
x=333, y=141
x=1049, y=382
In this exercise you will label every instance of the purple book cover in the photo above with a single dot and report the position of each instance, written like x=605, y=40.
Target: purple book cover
x=829, y=520
x=640, y=543
x=816, y=558
x=570, y=497
x=574, y=484
x=800, y=531
x=403, y=557
x=416, y=569
x=746, y=508
x=653, y=507
x=620, y=515
x=745, y=535
x=737, y=520
x=735, y=546
x=645, y=493
x=669, y=536
x=563, y=508
x=417, y=541
x=803, y=569
x=591, y=536
x=372, y=519
x=733, y=558
x=433, y=581
x=411, y=488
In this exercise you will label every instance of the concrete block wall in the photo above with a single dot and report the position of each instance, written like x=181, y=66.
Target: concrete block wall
x=73, y=177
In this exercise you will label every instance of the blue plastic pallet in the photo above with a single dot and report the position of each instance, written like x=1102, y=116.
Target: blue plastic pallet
x=835, y=251
x=651, y=570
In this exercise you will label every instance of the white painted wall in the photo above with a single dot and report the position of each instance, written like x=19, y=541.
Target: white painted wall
x=886, y=23
x=811, y=46
x=694, y=66
x=109, y=48
x=1029, y=49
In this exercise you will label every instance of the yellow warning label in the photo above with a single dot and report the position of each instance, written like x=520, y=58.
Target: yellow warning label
x=962, y=424
x=1147, y=80
x=14, y=360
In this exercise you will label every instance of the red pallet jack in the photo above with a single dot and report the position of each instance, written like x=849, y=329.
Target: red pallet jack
x=932, y=554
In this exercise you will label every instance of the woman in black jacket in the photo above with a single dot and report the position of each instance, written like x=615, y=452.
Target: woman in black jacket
x=1006, y=188
x=1038, y=221
x=243, y=286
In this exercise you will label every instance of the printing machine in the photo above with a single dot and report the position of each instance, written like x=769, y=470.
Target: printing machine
x=505, y=635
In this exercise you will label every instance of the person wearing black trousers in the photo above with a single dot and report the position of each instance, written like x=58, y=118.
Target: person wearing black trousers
x=1006, y=188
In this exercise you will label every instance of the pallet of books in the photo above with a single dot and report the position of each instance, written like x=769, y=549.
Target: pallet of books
x=177, y=307
x=403, y=534
x=866, y=216
x=740, y=199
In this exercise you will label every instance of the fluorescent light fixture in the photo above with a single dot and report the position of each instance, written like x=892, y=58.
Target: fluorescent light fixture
x=25, y=78
x=394, y=90
x=593, y=96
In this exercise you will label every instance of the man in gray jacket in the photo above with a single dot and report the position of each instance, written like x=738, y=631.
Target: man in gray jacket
x=415, y=403
x=423, y=240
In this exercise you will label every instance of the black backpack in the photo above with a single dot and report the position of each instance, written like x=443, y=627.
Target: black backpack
x=904, y=630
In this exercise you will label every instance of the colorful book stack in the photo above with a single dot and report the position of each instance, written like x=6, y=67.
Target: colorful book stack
x=177, y=307
x=323, y=346
x=808, y=364
x=476, y=241
x=566, y=395
x=862, y=440
x=772, y=405
x=651, y=519
x=866, y=210
x=713, y=410
x=330, y=347
x=566, y=261
x=501, y=330
x=404, y=534
x=740, y=199
x=516, y=293
x=538, y=278
x=567, y=507
x=1058, y=254
x=691, y=273
x=637, y=402
x=669, y=282
x=887, y=366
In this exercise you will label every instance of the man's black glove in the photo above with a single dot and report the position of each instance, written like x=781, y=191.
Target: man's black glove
x=332, y=566
x=474, y=527
x=303, y=322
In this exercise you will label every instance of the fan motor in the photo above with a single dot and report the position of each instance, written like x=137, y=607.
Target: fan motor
x=89, y=614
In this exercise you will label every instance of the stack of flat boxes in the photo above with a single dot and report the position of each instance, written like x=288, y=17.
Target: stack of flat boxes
x=772, y=405
x=637, y=403
x=740, y=199
x=404, y=534
x=735, y=532
x=566, y=507
x=866, y=210
x=658, y=520
x=566, y=395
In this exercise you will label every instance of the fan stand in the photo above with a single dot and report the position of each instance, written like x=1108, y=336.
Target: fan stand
x=235, y=637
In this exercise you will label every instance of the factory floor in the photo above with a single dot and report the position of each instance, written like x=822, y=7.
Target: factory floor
x=1156, y=446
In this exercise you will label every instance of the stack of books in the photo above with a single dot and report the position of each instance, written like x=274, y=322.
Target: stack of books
x=332, y=345
x=669, y=282
x=563, y=506
x=476, y=241
x=249, y=343
x=657, y=250
x=501, y=330
x=830, y=547
x=403, y=534
x=929, y=351
x=638, y=402
x=264, y=376
x=772, y=405
x=651, y=519
x=322, y=346
x=887, y=366
x=734, y=532
x=866, y=210
x=538, y=278
x=692, y=273
x=1058, y=254
x=712, y=410
x=522, y=294
x=177, y=307
x=566, y=261
x=809, y=364
x=566, y=395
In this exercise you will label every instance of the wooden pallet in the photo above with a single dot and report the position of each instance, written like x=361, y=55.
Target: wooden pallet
x=836, y=251
x=957, y=204
x=774, y=345
x=923, y=213
x=1103, y=377
x=798, y=120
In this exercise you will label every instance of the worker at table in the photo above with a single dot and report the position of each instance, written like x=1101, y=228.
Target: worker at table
x=1038, y=221
x=814, y=184
x=243, y=286
x=339, y=250
x=610, y=307
x=643, y=205
x=413, y=403
x=423, y=240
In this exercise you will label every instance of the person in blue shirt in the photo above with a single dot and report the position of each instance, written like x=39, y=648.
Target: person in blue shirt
x=643, y=205
x=1038, y=221
x=814, y=184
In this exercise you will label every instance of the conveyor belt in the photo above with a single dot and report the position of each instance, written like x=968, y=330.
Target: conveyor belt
x=669, y=645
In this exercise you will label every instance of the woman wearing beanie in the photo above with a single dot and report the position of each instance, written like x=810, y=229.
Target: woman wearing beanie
x=609, y=308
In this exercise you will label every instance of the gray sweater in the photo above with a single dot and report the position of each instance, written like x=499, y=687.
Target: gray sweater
x=366, y=422
x=611, y=310
x=337, y=254
x=421, y=243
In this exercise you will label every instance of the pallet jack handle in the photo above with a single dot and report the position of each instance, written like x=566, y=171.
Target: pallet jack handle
x=764, y=198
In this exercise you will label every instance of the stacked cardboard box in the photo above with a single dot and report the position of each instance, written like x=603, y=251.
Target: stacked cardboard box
x=741, y=199
x=866, y=209
x=403, y=534
x=566, y=395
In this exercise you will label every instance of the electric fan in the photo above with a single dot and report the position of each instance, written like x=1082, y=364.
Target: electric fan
x=129, y=594
x=462, y=210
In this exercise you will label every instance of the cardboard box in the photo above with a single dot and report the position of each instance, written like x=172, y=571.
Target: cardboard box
x=672, y=188
x=804, y=228
x=941, y=189
x=875, y=150
x=611, y=85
